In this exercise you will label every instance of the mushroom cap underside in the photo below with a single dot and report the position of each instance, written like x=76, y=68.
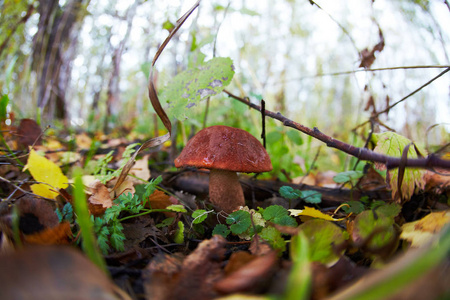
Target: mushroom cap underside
x=225, y=148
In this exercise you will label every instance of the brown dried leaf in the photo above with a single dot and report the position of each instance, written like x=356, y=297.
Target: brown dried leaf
x=252, y=277
x=160, y=200
x=44, y=272
x=194, y=279
x=100, y=198
x=29, y=133
x=58, y=235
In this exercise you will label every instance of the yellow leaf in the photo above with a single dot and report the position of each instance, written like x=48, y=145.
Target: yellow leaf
x=47, y=172
x=312, y=212
x=421, y=232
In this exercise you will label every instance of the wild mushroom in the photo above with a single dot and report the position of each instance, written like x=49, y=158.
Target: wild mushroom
x=225, y=150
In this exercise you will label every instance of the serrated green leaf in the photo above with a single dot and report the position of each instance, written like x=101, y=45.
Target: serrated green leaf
x=274, y=211
x=199, y=216
x=177, y=208
x=295, y=137
x=191, y=86
x=355, y=207
x=221, y=229
x=392, y=144
x=240, y=221
x=324, y=237
x=274, y=238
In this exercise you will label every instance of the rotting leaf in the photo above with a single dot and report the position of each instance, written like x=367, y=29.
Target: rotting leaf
x=392, y=144
x=191, y=86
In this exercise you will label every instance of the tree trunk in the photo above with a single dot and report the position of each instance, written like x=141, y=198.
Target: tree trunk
x=54, y=48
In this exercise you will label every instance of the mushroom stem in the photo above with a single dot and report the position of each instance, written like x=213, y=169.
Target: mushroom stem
x=225, y=191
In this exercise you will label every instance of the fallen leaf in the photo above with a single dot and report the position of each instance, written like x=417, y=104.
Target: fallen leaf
x=29, y=133
x=43, y=272
x=160, y=200
x=100, y=198
x=195, y=278
x=83, y=141
x=58, y=235
x=421, y=232
x=251, y=277
x=47, y=172
x=141, y=170
x=312, y=212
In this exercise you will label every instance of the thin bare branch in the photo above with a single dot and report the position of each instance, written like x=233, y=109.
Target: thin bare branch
x=430, y=162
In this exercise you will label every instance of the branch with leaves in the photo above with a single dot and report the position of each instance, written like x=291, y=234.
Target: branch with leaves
x=429, y=162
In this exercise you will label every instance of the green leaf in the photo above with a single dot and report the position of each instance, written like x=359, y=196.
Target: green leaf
x=191, y=86
x=274, y=211
x=221, y=229
x=179, y=235
x=274, y=137
x=4, y=100
x=348, y=176
x=289, y=192
x=295, y=137
x=90, y=245
x=166, y=222
x=324, y=239
x=299, y=280
x=177, y=208
x=279, y=215
x=390, y=210
x=240, y=221
x=274, y=238
x=355, y=207
x=375, y=229
x=392, y=144
x=199, y=216
x=313, y=197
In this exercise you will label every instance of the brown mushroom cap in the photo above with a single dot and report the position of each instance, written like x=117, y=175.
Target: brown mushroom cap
x=225, y=148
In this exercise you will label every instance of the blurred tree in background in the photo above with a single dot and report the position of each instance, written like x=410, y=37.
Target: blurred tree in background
x=86, y=63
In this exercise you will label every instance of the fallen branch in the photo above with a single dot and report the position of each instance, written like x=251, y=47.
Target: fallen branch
x=429, y=162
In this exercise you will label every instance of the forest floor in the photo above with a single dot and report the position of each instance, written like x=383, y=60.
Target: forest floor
x=157, y=235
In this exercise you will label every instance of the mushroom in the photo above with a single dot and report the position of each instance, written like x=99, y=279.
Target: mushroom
x=225, y=150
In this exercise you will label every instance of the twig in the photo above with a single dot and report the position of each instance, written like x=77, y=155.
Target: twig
x=371, y=70
x=429, y=162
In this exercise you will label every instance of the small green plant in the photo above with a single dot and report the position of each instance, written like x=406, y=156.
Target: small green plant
x=109, y=228
x=308, y=196
x=246, y=223
x=105, y=174
x=351, y=177
x=66, y=214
